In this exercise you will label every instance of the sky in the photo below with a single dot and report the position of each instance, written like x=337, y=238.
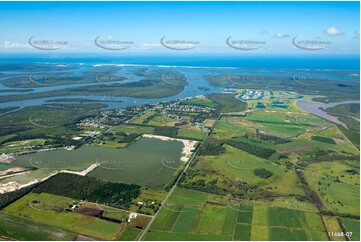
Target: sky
x=259, y=27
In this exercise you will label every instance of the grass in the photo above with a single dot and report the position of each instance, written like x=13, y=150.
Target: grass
x=50, y=210
x=345, y=202
x=212, y=220
x=229, y=222
x=142, y=118
x=242, y=232
x=240, y=164
x=166, y=236
x=188, y=198
x=332, y=225
x=217, y=199
x=323, y=139
x=259, y=233
x=191, y=134
x=245, y=214
x=130, y=234
x=200, y=102
x=353, y=226
x=291, y=218
x=336, y=169
x=260, y=215
x=25, y=229
x=134, y=129
x=180, y=203
x=227, y=103
x=4, y=167
x=166, y=219
x=186, y=220
x=226, y=130
x=281, y=234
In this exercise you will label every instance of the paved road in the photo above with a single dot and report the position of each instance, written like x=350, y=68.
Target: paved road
x=145, y=231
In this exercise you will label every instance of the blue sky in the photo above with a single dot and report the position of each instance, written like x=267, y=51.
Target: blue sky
x=208, y=23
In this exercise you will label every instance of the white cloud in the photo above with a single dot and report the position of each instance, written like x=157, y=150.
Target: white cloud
x=281, y=35
x=333, y=31
x=147, y=46
x=9, y=44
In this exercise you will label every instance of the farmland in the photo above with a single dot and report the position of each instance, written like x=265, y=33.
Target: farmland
x=191, y=214
x=260, y=168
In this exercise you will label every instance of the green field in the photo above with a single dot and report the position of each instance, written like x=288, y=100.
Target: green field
x=198, y=214
x=323, y=139
x=50, y=209
x=26, y=229
x=200, y=102
x=191, y=134
x=242, y=232
x=294, y=219
x=166, y=236
x=352, y=226
x=280, y=234
x=130, y=234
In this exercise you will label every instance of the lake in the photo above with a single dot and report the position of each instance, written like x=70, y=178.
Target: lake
x=141, y=163
x=315, y=108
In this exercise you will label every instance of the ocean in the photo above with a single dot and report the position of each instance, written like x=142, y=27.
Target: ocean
x=241, y=60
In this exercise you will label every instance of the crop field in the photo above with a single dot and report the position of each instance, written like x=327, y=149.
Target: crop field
x=353, y=226
x=333, y=225
x=51, y=210
x=225, y=129
x=191, y=134
x=130, y=234
x=26, y=229
x=161, y=120
x=141, y=119
x=190, y=214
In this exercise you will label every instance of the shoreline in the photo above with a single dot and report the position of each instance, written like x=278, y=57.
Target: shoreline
x=13, y=185
x=188, y=145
